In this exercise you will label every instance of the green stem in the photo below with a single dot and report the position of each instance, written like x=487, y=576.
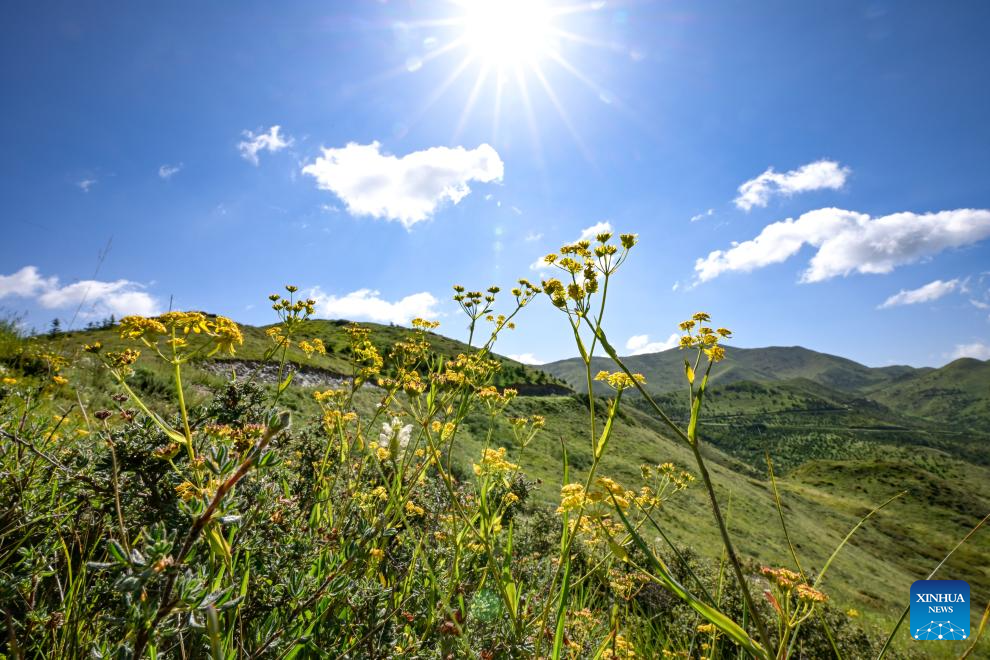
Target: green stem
x=729, y=549
x=182, y=409
x=706, y=478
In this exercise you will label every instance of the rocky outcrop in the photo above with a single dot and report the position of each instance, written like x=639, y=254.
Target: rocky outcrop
x=267, y=372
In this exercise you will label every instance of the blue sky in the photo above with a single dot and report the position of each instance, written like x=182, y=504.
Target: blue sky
x=148, y=127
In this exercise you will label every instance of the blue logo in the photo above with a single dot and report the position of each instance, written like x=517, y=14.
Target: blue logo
x=939, y=610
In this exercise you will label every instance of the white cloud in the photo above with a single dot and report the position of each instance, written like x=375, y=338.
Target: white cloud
x=168, y=171
x=368, y=304
x=86, y=184
x=927, y=293
x=640, y=344
x=533, y=236
x=271, y=142
x=525, y=358
x=587, y=234
x=849, y=242
x=814, y=176
x=701, y=216
x=24, y=283
x=96, y=298
x=977, y=350
x=407, y=189
x=119, y=298
x=979, y=304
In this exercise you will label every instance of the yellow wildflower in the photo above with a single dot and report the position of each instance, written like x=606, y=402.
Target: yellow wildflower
x=619, y=648
x=493, y=462
x=122, y=359
x=186, y=491
x=135, y=327
x=423, y=324
x=715, y=353
x=572, y=497
x=413, y=510
x=808, y=594
x=620, y=380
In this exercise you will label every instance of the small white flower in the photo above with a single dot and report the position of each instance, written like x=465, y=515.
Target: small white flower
x=404, y=434
x=395, y=431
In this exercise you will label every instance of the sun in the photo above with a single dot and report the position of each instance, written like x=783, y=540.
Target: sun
x=516, y=51
x=507, y=32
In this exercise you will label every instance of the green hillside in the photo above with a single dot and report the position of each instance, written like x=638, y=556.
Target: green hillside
x=334, y=365
x=957, y=394
x=807, y=404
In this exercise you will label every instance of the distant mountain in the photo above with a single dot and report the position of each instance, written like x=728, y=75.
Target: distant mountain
x=664, y=371
x=957, y=394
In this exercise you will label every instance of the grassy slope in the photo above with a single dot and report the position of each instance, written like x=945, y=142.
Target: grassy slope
x=823, y=500
x=823, y=496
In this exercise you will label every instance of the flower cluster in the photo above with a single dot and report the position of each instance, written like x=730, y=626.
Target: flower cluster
x=574, y=497
x=472, y=369
x=582, y=265
x=289, y=308
x=366, y=358
x=292, y=313
x=494, y=400
x=809, y=594
x=619, y=380
x=618, y=648
x=661, y=482
x=176, y=328
x=791, y=597
x=241, y=437
x=703, y=337
x=475, y=303
x=524, y=429
x=493, y=463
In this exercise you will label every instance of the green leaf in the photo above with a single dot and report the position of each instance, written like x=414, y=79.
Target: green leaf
x=117, y=551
